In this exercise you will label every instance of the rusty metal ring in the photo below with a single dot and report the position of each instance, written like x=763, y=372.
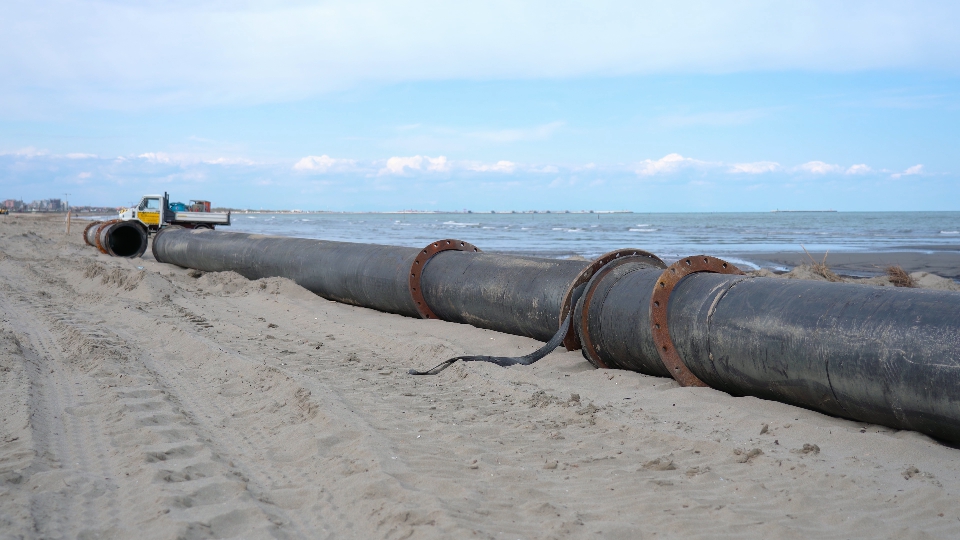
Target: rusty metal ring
x=571, y=341
x=658, y=310
x=416, y=270
x=589, y=349
x=87, y=228
x=96, y=237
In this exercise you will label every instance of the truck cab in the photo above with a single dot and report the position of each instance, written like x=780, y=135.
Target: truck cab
x=156, y=212
x=148, y=211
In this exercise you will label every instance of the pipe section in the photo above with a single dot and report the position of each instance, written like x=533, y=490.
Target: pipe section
x=90, y=233
x=613, y=318
x=123, y=239
x=117, y=238
x=515, y=295
x=367, y=275
x=882, y=355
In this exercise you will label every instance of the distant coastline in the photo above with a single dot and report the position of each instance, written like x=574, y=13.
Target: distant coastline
x=778, y=211
x=250, y=211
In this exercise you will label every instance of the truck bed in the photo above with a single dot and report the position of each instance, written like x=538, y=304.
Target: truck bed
x=216, y=218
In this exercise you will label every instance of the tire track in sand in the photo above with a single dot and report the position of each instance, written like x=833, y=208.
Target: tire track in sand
x=100, y=416
x=294, y=437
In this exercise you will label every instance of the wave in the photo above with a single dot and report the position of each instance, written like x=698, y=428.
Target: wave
x=949, y=232
x=643, y=230
x=458, y=224
x=740, y=263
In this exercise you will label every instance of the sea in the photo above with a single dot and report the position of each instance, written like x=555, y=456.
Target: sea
x=670, y=236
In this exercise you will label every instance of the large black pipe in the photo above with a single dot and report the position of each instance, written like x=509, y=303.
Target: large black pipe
x=613, y=318
x=122, y=239
x=366, y=275
x=90, y=233
x=883, y=355
x=516, y=295
x=878, y=354
x=117, y=238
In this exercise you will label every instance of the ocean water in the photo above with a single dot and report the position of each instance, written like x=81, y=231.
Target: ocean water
x=668, y=235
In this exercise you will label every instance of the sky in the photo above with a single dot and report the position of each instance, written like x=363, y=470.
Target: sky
x=683, y=106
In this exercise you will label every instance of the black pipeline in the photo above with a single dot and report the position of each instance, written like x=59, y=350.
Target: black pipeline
x=117, y=238
x=881, y=355
x=514, y=295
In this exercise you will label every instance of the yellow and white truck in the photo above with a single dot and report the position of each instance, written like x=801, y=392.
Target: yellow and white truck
x=156, y=212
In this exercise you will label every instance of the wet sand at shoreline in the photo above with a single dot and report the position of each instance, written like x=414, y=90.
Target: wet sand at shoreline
x=142, y=401
x=939, y=260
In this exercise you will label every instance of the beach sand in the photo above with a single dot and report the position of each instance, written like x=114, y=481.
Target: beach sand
x=139, y=401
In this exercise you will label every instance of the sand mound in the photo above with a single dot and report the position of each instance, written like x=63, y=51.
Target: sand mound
x=926, y=280
x=277, y=286
x=222, y=283
x=113, y=276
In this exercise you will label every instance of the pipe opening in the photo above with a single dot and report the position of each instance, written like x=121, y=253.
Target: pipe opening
x=126, y=241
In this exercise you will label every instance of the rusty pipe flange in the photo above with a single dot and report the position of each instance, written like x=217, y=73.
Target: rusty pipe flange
x=87, y=229
x=416, y=270
x=583, y=321
x=571, y=341
x=96, y=238
x=658, y=310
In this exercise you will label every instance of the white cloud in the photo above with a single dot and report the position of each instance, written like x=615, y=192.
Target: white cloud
x=402, y=165
x=28, y=152
x=184, y=160
x=819, y=167
x=84, y=175
x=398, y=165
x=513, y=135
x=757, y=167
x=667, y=164
x=156, y=157
x=229, y=161
x=438, y=164
x=911, y=171
x=500, y=167
x=78, y=155
x=859, y=169
x=323, y=164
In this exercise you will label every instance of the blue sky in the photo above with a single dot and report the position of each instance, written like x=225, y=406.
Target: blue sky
x=647, y=106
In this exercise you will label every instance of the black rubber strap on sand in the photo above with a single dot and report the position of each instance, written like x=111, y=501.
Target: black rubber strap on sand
x=505, y=361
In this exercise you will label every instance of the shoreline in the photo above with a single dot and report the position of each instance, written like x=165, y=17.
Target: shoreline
x=865, y=264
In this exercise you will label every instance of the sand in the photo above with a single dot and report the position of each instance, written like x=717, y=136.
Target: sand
x=139, y=401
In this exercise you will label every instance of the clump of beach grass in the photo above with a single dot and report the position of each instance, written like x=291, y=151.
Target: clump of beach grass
x=820, y=268
x=899, y=277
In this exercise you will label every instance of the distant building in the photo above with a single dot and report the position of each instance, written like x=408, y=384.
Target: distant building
x=45, y=205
